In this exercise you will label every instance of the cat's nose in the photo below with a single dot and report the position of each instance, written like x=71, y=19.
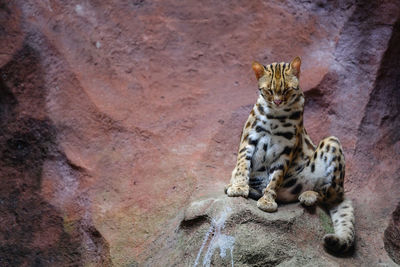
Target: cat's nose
x=277, y=102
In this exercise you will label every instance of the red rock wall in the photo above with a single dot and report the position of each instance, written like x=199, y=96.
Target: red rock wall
x=115, y=114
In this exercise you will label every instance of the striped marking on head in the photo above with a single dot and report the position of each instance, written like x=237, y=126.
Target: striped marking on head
x=277, y=71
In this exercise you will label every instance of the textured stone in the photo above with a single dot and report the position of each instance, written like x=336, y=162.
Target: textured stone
x=392, y=236
x=115, y=116
x=216, y=224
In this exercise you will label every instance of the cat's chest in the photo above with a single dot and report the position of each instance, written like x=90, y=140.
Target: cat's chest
x=274, y=129
x=272, y=136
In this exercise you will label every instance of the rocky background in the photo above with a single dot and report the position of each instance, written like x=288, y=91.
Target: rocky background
x=120, y=122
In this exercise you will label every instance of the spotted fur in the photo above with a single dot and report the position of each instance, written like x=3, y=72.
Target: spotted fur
x=278, y=161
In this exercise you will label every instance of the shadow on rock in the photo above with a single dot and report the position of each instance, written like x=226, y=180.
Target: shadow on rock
x=34, y=232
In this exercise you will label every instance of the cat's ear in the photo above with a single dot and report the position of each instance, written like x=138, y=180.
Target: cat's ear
x=295, y=66
x=258, y=69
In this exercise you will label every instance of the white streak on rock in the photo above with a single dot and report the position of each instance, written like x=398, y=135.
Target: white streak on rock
x=219, y=240
x=203, y=244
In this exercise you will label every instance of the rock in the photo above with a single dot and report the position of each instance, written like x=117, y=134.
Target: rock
x=10, y=31
x=222, y=231
x=392, y=236
x=36, y=232
x=115, y=117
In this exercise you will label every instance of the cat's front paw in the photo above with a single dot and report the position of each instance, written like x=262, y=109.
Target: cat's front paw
x=237, y=190
x=267, y=203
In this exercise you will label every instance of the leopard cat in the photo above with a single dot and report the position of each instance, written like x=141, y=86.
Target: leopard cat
x=277, y=161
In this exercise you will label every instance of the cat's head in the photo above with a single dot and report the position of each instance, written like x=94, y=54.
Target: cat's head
x=279, y=82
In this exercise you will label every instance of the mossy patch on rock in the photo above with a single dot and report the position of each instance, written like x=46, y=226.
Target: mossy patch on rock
x=326, y=221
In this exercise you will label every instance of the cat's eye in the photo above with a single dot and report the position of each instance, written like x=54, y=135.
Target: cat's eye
x=270, y=91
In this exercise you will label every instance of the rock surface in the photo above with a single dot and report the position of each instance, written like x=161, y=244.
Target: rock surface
x=218, y=231
x=392, y=236
x=115, y=116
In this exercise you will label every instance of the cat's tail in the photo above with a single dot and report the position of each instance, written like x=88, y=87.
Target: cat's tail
x=343, y=222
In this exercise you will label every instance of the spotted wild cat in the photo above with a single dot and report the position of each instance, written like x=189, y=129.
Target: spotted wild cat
x=278, y=161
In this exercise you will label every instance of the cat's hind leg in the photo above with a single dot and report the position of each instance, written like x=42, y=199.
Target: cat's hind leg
x=326, y=170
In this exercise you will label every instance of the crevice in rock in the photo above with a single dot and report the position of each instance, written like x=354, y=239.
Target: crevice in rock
x=194, y=222
x=392, y=236
x=99, y=251
x=381, y=121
